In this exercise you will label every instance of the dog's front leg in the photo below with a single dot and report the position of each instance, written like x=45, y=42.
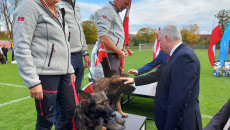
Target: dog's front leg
x=100, y=124
x=118, y=105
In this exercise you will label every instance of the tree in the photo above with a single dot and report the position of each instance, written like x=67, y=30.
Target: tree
x=7, y=8
x=184, y=34
x=93, y=17
x=224, y=17
x=190, y=34
x=145, y=35
x=90, y=31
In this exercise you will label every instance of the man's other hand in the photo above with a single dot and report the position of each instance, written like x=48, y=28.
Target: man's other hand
x=37, y=92
x=87, y=61
x=133, y=71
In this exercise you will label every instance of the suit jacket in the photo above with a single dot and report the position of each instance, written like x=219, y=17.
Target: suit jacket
x=176, y=105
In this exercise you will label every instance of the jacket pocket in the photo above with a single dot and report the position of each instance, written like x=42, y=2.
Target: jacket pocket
x=51, y=55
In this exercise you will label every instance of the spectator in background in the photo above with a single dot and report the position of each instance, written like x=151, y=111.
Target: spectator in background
x=12, y=49
x=5, y=50
x=1, y=50
x=2, y=58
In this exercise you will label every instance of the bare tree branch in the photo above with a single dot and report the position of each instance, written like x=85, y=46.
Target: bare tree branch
x=7, y=8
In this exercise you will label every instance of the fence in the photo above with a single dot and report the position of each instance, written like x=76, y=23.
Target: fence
x=6, y=43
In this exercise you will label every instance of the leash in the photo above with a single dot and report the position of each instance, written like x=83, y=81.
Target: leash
x=76, y=97
x=76, y=102
x=74, y=91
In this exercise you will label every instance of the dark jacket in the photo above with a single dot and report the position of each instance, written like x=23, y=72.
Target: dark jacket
x=220, y=119
x=176, y=105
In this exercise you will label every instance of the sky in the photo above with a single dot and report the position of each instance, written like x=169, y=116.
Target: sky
x=158, y=13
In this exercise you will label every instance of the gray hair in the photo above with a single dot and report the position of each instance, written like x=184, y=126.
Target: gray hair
x=172, y=31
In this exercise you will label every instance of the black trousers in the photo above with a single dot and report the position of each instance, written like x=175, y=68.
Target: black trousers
x=55, y=88
x=5, y=54
x=12, y=56
x=112, y=66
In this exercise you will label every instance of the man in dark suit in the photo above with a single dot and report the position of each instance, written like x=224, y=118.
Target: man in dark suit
x=176, y=105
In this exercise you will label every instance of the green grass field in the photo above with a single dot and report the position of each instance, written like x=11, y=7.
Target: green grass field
x=21, y=115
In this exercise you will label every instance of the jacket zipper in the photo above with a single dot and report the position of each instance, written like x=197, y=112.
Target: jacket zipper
x=78, y=25
x=69, y=37
x=52, y=50
x=117, y=41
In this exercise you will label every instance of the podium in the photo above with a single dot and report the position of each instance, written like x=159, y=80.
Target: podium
x=133, y=122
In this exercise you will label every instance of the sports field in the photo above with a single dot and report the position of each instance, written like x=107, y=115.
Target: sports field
x=17, y=110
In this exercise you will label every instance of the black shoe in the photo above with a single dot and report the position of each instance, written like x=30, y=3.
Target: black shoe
x=112, y=125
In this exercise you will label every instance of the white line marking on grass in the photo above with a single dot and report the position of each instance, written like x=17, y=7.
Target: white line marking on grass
x=20, y=99
x=19, y=86
x=207, y=116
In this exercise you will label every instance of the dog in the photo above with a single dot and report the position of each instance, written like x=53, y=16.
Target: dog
x=94, y=112
x=114, y=88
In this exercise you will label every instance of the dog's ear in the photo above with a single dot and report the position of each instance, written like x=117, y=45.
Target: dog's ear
x=83, y=94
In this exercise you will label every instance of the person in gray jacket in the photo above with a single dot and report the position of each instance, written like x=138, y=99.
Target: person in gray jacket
x=111, y=34
x=43, y=56
x=78, y=46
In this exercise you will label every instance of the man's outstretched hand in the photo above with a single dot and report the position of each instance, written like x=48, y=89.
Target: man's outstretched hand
x=128, y=80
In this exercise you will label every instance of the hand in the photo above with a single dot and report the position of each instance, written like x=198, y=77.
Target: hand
x=73, y=77
x=128, y=80
x=126, y=52
x=121, y=55
x=37, y=92
x=133, y=71
x=87, y=61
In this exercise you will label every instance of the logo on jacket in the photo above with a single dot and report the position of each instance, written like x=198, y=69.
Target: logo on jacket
x=20, y=18
x=104, y=17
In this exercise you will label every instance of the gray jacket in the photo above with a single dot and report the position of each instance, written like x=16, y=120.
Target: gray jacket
x=73, y=20
x=109, y=24
x=41, y=46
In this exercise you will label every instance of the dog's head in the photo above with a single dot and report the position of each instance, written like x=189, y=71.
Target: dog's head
x=96, y=105
x=117, y=86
